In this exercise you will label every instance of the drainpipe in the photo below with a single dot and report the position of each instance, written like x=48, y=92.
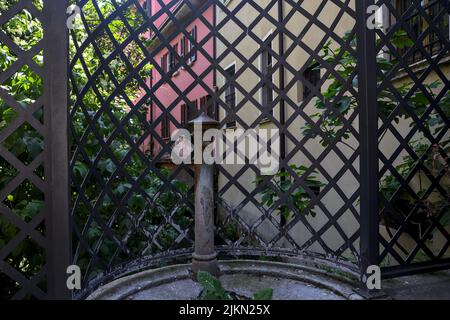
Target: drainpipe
x=205, y=256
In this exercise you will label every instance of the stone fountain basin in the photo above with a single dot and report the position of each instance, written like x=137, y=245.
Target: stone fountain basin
x=244, y=277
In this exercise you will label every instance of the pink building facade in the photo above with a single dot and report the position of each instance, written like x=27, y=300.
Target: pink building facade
x=179, y=66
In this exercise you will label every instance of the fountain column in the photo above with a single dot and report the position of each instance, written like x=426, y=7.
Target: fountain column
x=205, y=256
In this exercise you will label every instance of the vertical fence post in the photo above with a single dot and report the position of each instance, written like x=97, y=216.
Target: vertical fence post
x=56, y=145
x=368, y=128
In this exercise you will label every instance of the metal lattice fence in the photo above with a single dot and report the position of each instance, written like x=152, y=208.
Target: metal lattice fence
x=348, y=188
x=34, y=238
x=414, y=176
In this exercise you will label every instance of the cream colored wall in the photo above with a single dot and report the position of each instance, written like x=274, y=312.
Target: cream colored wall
x=250, y=212
x=389, y=145
x=249, y=113
x=331, y=163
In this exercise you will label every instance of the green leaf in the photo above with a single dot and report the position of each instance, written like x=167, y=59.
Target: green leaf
x=401, y=40
x=267, y=199
x=80, y=169
x=30, y=209
x=9, y=115
x=266, y=294
x=344, y=104
x=212, y=288
x=34, y=145
x=93, y=233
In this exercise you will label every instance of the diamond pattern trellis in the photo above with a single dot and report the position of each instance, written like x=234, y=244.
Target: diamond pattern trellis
x=414, y=173
x=23, y=210
x=126, y=207
x=299, y=43
x=269, y=64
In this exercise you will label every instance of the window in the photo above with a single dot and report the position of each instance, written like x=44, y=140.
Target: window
x=267, y=74
x=188, y=48
x=165, y=127
x=183, y=47
x=418, y=24
x=173, y=57
x=188, y=112
x=171, y=61
x=192, y=52
x=147, y=7
x=192, y=111
x=165, y=63
x=230, y=94
x=311, y=75
x=184, y=115
x=206, y=105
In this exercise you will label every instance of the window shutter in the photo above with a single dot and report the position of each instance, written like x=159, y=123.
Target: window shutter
x=183, y=48
x=191, y=38
x=202, y=103
x=189, y=48
x=186, y=46
x=184, y=115
x=165, y=127
x=169, y=62
x=176, y=55
x=312, y=75
x=210, y=107
x=194, y=53
x=192, y=111
x=230, y=94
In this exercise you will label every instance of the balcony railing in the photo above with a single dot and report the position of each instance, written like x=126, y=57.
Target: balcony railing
x=417, y=24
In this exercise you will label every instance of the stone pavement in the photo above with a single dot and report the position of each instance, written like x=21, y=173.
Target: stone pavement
x=432, y=286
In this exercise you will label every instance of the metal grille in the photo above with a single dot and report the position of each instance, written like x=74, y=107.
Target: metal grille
x=245, y=222
x=21, y=169
x=110, y=232
x=330, y=77
x=417, y=24
x=125, y=206
x=414, y=138
x=29, y=241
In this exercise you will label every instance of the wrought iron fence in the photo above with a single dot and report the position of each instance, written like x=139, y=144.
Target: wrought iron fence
x=349, y=188
x=417, y=23
x=414, y=184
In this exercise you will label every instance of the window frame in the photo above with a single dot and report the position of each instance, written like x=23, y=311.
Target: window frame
x=165, y=65
x=267, y=87
x=174, y=59
x=184, y=114
x=431, y=47
x=192, y=110
x=313, y=76
x=227, y=93
x=207, y=105
x=191, y=50
x=165, y=127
